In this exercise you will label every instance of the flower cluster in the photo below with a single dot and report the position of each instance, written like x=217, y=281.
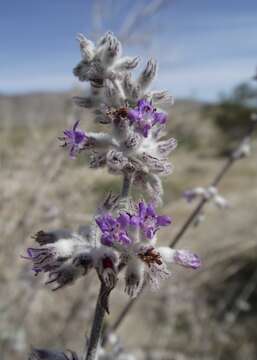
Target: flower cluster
x=109, y=74
x=134, y=142
x=136, y=146
x=125, y=241
x=74, y=139
x=133, y=236
x=66, y=256
x=209, y=194
x=145, y=116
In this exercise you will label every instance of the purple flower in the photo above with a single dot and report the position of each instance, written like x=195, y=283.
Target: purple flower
x=189, y=195
x=145, y=116
x=148, y=220
x=43, y=259
x=114, y=229
x=187, y=259
x=74, y=139
x=119, y=229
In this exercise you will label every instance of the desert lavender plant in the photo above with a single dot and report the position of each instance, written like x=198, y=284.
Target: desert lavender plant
x=122, y=237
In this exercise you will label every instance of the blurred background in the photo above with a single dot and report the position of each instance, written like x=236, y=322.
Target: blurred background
x=207, y=57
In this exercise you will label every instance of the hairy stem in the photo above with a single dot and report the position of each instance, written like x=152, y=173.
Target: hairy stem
x=97, y=327
x=126, y=186
x=223, y=171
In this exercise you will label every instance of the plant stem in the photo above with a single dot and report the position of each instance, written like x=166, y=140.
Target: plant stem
x=97, y=327
x=126, y=186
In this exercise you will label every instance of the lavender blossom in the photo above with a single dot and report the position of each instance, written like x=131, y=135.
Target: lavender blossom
x=133, y=236
x=148, y=220
x=125, y=148
x=74, y=139
x=114, y=230
x=187, y=259
x=135, y=141
x=145, y=116
x=209, y=194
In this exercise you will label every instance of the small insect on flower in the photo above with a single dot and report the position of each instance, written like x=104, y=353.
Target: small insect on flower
x=74, y=139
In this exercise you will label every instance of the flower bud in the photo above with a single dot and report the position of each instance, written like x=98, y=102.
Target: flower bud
x=187, y=259
x=126, y=63
x=107, y=271
x=134, y=277
x=50, y=237
x=148, y=74
x=87, y=47
x=116, y=161
x=65, y=275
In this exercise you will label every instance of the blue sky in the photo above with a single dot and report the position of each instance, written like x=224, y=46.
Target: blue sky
x=204, y=47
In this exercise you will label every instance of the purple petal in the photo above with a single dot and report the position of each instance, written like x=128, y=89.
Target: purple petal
x=134, y=220
x=123, y=220
x=107, y=239
x=102, y=224
x=187, y=259
x=141, y=209
x=150, y=211
x=159, y=117
x=145, y=130
x=110, y=221
x=163, y=220
x=68, y=133
x=149, y=233
x=73, y=152
x=134, y=115
x=34, y=252
x=79, y=137
x=124, y=239
x=144, y=106
x=189, y=195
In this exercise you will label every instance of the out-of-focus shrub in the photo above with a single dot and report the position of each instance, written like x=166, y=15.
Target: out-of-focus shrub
x=231, y=113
